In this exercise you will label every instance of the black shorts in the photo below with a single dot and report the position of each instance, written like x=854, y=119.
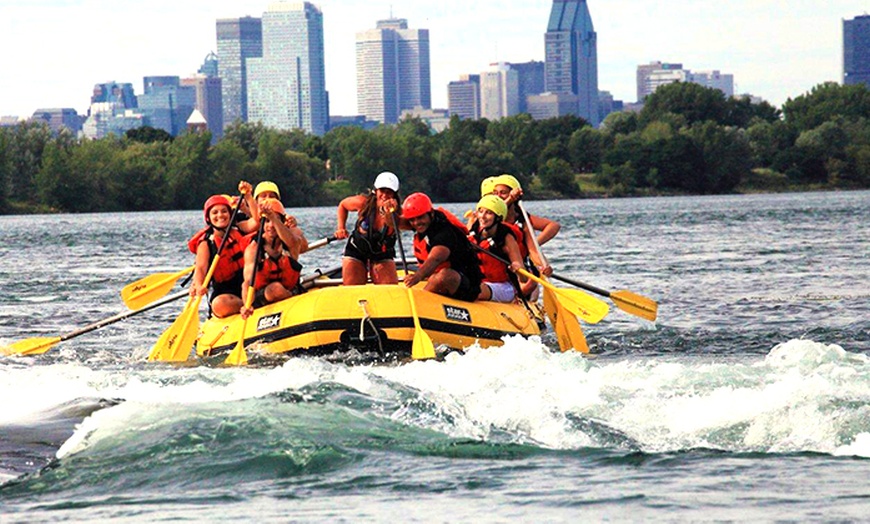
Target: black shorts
x=358, y=248
x=230, y=287
x=466, y=290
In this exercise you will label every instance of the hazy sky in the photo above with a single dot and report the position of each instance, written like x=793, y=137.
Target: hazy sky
x=52, y=52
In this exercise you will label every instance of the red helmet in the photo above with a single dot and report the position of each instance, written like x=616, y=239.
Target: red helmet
x=415, y=205
x=215, y=200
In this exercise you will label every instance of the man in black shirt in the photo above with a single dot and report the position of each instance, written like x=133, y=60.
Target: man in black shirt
x=444, y=254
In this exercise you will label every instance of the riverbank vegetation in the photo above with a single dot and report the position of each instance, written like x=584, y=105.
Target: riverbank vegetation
x=687, y=139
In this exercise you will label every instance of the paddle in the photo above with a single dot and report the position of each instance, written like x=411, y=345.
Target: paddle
x=148, y=289
x=577, y=303
x=39, y=345
x=319, y=243
x=568, y=332
x=238, y=356
x=422, y=346
x=175, y=343
x=637, y=305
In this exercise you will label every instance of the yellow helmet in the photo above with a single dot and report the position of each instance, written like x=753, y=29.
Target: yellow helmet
x=507, y=180
x=266, y=186
x=487, y=185
x=494, y=204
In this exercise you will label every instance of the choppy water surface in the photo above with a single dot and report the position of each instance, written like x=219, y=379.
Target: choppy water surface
x=748, y=399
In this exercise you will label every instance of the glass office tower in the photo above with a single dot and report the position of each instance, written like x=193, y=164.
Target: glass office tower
x=238, y=40
x=571, y=61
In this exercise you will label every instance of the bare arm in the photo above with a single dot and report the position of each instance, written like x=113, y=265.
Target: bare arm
x=251, y=224
x=351, y=203
x=547, y=227
x=202, y=263
x=513, y=251
x=250, y=265
x=437, y=255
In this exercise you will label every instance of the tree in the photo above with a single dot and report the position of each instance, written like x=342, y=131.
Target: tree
x=557, y=175
x=694, y=102
x=142, y=186
x=825, y=102
x=147, y=135
x=28, y=140
x=726, y=155
x=188, y=172
x=230, y=164
x=4, y=169
x=246, y=135
x=585, y=148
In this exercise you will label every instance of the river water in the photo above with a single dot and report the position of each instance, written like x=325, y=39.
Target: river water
x=748, y=399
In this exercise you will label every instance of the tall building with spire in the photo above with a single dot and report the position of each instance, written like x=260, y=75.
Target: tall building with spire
x=856, y=50
x=571, y=56
x=392, y=70
x=238, y=40
x=287, y=85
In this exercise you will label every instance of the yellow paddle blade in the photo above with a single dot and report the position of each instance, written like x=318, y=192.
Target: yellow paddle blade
x=422, y=346
x=588, y=308
x=635, y=304
x=30, y=346
x=580, y=304
x=148, y=289
x=175, y=344
x=238, y=356
x=568, y=332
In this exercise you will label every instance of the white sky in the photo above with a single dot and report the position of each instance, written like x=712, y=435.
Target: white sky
x=52, y=52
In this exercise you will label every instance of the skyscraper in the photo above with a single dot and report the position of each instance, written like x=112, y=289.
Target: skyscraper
x=531, y=81
x=856, y=50
x=166, y=104
x=209, y=65
x=287, y=86
x=645, y=87
x=571, y=56
x=392, y=70
x=114, y=92
x=238, y=39
x=208, y=101
x=463, y=97
x=499, y=92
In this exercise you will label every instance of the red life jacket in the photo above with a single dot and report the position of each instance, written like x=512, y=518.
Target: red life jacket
x=493, y=270
x=232, y=261
x=284, y=270
x=520, y=234
x=421, y=245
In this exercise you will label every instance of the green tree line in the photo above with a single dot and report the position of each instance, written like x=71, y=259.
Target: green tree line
x=687, y=139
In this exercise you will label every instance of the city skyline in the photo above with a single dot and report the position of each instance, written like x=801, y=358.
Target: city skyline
x=765, y=47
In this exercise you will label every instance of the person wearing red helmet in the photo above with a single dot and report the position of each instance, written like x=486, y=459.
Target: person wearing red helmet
x=226, y=281
x=443, y=251
x=371, y=245
x=278, y=270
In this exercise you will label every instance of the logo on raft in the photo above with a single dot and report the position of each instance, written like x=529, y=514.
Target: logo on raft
x=268, y=322
x=457, y=313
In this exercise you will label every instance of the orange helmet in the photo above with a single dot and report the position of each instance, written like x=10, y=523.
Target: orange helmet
x=215, y=200
x=274, y=204
x=415, y=205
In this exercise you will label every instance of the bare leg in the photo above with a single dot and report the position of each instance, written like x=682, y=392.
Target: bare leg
x=385, y=272
x=444, y=282
x=353, y=272
x=225, y=305
x=275, y=292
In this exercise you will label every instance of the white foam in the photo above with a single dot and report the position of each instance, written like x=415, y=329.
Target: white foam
x=802, y=396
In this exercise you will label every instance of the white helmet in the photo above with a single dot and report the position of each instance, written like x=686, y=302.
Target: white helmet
x=387, y=180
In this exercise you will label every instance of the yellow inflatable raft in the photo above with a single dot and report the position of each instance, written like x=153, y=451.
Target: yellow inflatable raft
x=330, y=317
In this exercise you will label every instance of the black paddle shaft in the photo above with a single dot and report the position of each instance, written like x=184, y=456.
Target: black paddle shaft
x=399, y=240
